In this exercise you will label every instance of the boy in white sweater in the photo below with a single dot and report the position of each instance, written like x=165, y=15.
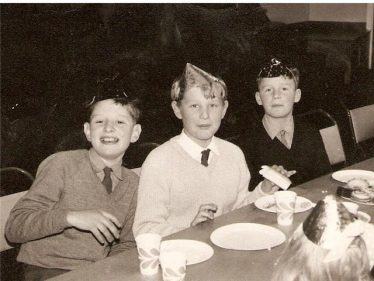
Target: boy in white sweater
x=194, y=176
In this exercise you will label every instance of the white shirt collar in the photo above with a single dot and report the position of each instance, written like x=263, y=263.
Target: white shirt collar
x=193, y=149
x=272, y=128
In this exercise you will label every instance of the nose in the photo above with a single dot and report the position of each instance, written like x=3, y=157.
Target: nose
x=204, y=114
x=276, y=93
x=108, y=126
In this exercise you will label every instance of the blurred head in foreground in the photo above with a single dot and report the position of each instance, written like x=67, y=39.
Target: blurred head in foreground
x=328, y=246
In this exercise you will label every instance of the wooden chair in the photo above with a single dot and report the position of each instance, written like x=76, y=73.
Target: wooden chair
x=10, y=269
x=14, y=179
x=361, y=122
x=330, y=134
x=6, y=204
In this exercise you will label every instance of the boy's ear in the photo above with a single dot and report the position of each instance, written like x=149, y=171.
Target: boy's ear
x=87, y=131
x=176, y=109
x=297, y=95
x=258, y=98
x=136, y=131
x=225, y=106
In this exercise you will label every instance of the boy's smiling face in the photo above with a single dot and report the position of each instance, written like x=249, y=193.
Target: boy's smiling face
x=201, y=116
x=111, y=130
x=277, y=95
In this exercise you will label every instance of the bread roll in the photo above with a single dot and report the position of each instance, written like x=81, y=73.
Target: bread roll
x=275, y=177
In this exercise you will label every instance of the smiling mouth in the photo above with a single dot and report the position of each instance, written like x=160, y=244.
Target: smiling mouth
x=109, y=140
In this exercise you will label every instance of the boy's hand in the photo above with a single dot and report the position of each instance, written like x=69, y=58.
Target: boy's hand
x=206, y=211
x=270, y=187
x=104, y=226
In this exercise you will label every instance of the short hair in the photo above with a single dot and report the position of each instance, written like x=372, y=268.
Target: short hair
x=184, y=81
x=303, y=260
x=109, y=89
x=276, y=68
x=131, y=105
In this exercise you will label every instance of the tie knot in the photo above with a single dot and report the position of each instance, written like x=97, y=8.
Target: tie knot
x=282, y=138
x=107, y=171
x=205, y=157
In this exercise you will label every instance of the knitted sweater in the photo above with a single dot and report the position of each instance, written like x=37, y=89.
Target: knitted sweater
x=307, y=154
x=173, y=186
x=66, y=181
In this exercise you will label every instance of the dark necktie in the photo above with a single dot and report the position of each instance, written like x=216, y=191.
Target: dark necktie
x=205, y=157
x=107, y=181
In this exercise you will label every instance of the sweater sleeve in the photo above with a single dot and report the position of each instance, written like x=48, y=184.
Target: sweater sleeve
x=34, y=216
x=153, y=197
x=126, y=240
x=246, y=197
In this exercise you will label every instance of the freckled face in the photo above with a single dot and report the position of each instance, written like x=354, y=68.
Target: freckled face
x=277, y=95
x=201, y=116
x=111, y=130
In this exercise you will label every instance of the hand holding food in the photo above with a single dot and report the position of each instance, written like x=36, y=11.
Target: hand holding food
x=277, y=175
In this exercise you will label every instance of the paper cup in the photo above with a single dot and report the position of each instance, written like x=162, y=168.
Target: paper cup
x=285, y=203
x=351, y=207
x=173, y=265
x=148, y=245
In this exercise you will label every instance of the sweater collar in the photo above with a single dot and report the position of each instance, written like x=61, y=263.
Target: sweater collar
x=272, y=128
x=98, y=164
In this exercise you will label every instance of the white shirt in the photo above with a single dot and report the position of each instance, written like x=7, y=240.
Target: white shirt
x=194, y=150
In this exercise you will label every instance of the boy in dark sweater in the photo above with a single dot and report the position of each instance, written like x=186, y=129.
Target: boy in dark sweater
x=81, y=206
x=295, y=147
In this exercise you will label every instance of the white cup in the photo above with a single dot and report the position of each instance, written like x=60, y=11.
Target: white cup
x=351, y=207
x=173, y=265
x=148, y=245
x=285, y=203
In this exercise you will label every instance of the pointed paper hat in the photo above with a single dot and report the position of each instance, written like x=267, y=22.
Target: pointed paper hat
x=275, y=68
x=195, y=77
x=331, y=226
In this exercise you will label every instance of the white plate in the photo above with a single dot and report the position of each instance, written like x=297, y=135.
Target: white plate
x=363, y=216
x=247, y=236
x=346, y=175
x=196, y=251
x=267, y=203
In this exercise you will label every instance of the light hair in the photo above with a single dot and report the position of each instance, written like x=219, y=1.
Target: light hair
x=302, y=260
x=179, y=86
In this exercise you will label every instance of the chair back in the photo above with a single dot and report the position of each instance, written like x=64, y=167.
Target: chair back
x=14, y=179
x=333, y=144
x=329, y=130
x=362, y=123
x=137, y=153
x=6, y=205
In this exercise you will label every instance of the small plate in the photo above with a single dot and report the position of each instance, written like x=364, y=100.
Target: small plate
x=196, y=251
x=247, y=236
x=267, y=203
x=346, y=175
x=363, y=216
